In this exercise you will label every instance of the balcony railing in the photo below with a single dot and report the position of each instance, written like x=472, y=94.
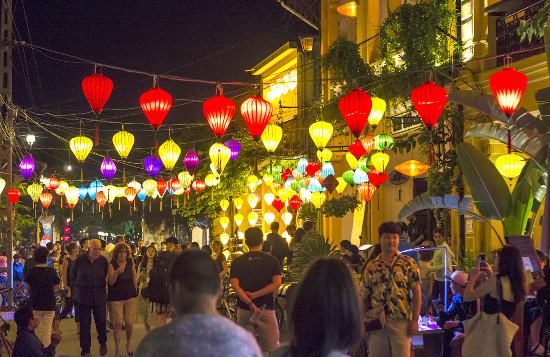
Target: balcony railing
x=508, y=38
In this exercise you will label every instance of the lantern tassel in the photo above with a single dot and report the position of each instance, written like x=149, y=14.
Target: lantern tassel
x=509, y=141
x=161, y=204
x=149, y=205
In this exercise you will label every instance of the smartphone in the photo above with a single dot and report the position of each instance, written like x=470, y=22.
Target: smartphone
x=482, y=261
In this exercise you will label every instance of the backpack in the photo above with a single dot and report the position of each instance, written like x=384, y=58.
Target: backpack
x=157, y=290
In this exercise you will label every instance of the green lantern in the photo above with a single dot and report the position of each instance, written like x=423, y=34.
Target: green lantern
x=383, y=142
x=363, y=164
x=348, y=177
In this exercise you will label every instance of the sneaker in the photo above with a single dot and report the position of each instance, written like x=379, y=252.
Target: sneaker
x=103, y=349
x=86, y=354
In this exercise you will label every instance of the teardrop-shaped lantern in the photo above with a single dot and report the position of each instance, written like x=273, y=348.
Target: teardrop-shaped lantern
x=380, y=161
x=108, y=168
x=286, y=218
x=239, y=218
x=269, y=217
x=320, y=132
x=26, y=167
x=508, y=86
x=352, y=160
x=185, y=179
x=429, y=100
x=268, y=198
x=83, y=192
x=81, y=146
x=156, y=104
x=169, y=153
x=94, y=188
x=162, y=185
x=150, y=186
x=318, y=198
x=46, y=199
x=368, y=143
x=224, y=204
x=252, y=218
x=141, y=195
x=224, y=222
x=219, y=155
x=252, y=200
x=377, y=111
x=34, y=190
x=256, y=113
x=252, y=182
x=366, y=191
x=72, y=194
x=101, y=198
x=191, y=161
x=218, y=111
x=13, y=195
x=2, y=185
x=235, y=147
x=271, y=137
x=97, y=89
x=355, y=108
x=152, y=165
x=130, y=194
x=123, y=142
x=238, y=203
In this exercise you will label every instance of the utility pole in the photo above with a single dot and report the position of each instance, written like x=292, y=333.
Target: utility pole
x=7, y=135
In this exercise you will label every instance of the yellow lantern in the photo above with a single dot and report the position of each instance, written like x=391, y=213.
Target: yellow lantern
x=72, y=194
x=239, y=218
x=271, y=137
x=320, y=133
x=380, y=161
x=510, y=165
x=179, y=191
x=169, y=152
x=377, y=111
x=341, y=185
x=224, y=222
x=284, y=195
x=224, y=238
x=226, y=253
x=268, y=198
x=252, y=200
x=112, y=192
x=287, y=237
x=224, y=204
x=120, y=191
x=324, y=155
x=135, y=185
x=2, y=185
x=123, y=142
x=35, y=190
x=185, y=179
x=352, y=160
x=219, y=155
x=150, y=186
x=318, y=198
x=287, y=218
x=252, y=182
x=238, y=202
x=211, y=180
x=63, y=186
x=269, y=217
x=81, y=146
x=412, y=168
x=252, y=218
x=267, y=179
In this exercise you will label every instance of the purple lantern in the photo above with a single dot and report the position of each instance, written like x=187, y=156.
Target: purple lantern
x=108, y=168
x=235, y=147
x=152, y=165
x=191, y=161
x=26, y=167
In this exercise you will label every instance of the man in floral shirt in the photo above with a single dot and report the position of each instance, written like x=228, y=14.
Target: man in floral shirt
x=392, y=280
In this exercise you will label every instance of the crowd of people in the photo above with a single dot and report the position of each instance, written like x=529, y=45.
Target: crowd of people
x=332, y=313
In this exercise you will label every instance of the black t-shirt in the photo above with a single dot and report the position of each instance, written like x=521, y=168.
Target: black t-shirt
x=255, y=270
x=42, y=281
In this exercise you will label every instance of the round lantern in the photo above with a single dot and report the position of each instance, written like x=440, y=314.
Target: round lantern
x=219, y=155
x=198, y=185
x=224, y=222
x=218, y=111
x=269, y=217
x=510, y=165
x=235, y=148
x=94, y=188
x=152, y=165
x=238, y=218
x=360, y=177
x=320, y=133
x=256, y=113
x=150, y=186
x=252, y=218
x=271, y=137
x=130, y=194
x=97, y=89
x=46, y=199
x=155, y=104
x=224, y=204
x=355, y=108
x=191, y=161
x=318, y=198
x=429, y=100
x=26, y=166
x=368, y=143
x=252, y=200
x=366, y=191
x=295, y=202
x=185, y=179
x=286, y=218
x=72, y=194
x=238, y=203
x=412, y=168
x=377, y=111
x=383, y=142
x=268, y=179
x=380, y=161
x=53, y=183
x=81, y=146
x=13, y=195
x=141, y=195
x=101, y=198
x=108, y=168
x=211, y=180
x=357, y=149
x=34, y=190
x=169, y=152
x=63, y=186
x=123, y=142
x=508, y=86
x=348, y=177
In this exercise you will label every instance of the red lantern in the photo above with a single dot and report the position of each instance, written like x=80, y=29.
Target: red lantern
x=198, y=185
x=278, y=204
x=429, y=100
x=329, y=183
x=355, y=107
x=101, y=198
x=13, y=195
x=53, y=184
x=357, y=149
x=256, y=113
x=286, y=174
x=130, y=193
x=295, y=202
x=368, y=143
x=161, y=187
x=155, y=104
x=218, y=112
x=508, y=86
x=312, y=168
x=174, y=184
x=377, y=179
x=366, y=191
x=97, y=89
x=46, y=199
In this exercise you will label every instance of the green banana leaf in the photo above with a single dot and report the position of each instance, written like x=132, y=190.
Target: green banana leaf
x=522, y=202
x=489, y=190
x=425, y=201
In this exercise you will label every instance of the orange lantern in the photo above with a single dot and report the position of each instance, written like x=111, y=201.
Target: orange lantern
x=366, y=191
x=412, y=168
x=130, y=193
x=46, y=199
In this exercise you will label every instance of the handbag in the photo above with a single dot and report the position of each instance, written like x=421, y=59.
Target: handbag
x=375, y=319
x=489, y=335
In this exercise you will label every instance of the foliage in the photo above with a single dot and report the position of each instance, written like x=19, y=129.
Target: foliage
x=309, y=250
x=339, y=207
x=467, y=263
x=308, y=212
x=535, y=26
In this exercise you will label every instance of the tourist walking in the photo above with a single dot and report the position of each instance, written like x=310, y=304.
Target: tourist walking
x=89, y=279
x=276, y=245
x=73, y=251
x=27, y=344
x=255, y=276
x=42, y=282
x=219, y=258
x=122, y=295
x=145, y=311
x=391, y=283
x=197, y=329
x=326, y=314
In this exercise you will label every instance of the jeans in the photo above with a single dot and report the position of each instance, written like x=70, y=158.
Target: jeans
x=4, y=284
x=85, y=313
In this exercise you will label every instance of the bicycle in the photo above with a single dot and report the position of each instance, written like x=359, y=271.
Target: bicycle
x=227, y=305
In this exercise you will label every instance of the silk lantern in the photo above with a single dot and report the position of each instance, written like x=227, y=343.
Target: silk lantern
x=380, y=161
x=368, y=143
x=191, y=161
x=377, y=111
x=82, y=192
x=324, y=155
x=286, y=218
x=357, y=149
x=53, y=183
x=327, y=170
x=97, y=89
x=271, y=137
x=72, y=194
x=198, y=185
x=238, y=202
x=211, y=180
x=268, y=179
x=377, y=179
x=301, y=166
x=162, y=185
x=352, y=160
x=252, y=218
x=218, y=111
x=329, y=183
x=34, y=190
x=252, y=200
x=2, y=185
x=101, y=198
x=185, y=179
x=130, y=194
x=224, y=204
x=312, y=168
x=348, y=177
x=150, y=186
x=219, y=155
x=169, y=152
x=238, y=218
x=123, y=142
x=429, y=100
x=46, y=199
x=355, y=108
x=510, y=165
x=318, y=198
x=508, y=87
x=94, y=188
x=26, y=166
x=13, y=195
x=360, y=176
x=295, y=202
x=366, y=191
x=278, y=204
x=256, y=113
x=152, y=165
x=224, y=222
x=412, y=168
x=141, y=195
x=81, y=146
x=108, y=168
x=235, y=148
x=156, y=104
x=252, y=182
x=320, y=132
x=269, y=217
x=383, y=142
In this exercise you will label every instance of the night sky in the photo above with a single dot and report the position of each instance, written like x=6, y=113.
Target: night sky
x=213, y=40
